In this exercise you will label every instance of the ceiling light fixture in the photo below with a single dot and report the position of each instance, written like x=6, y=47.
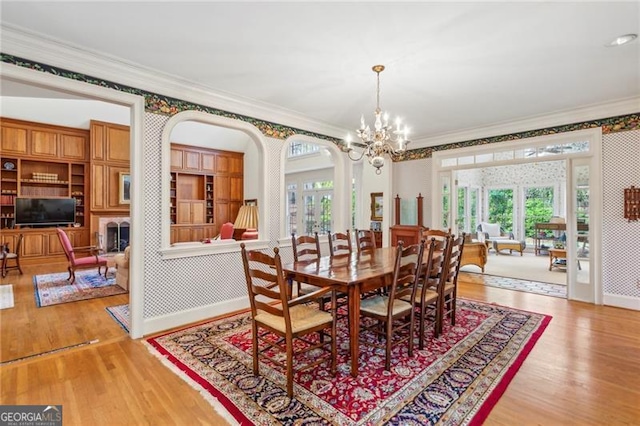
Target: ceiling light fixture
x=623, y=39
x=383, y=139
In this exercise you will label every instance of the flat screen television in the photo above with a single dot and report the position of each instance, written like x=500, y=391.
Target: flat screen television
x=45, y=211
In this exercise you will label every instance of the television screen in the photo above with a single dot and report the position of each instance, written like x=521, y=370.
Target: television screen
x=45, y=211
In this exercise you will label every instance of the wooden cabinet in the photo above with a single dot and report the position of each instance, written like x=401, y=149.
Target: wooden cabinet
x=43, y=245
x=408, y=234
x=110, y=157
x=41, y=179
x=207, y=188
x=43, y=141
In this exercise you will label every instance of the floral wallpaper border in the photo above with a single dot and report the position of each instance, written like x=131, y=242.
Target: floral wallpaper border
x=159, y=104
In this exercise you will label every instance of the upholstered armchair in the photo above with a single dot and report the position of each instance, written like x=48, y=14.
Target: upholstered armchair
x=493, y=232
x=122, y=268
x=86, y=262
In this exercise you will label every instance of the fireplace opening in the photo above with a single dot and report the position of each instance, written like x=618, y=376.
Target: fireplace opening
x=117, y=236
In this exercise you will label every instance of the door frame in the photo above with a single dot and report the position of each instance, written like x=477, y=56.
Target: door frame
x=445, y=163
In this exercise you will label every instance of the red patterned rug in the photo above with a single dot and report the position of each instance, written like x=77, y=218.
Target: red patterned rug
x=456, y=379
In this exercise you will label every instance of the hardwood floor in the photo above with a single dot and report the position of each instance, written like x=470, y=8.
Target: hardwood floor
x=585, y=368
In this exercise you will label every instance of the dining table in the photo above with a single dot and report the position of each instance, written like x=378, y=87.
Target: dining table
x=355, y=275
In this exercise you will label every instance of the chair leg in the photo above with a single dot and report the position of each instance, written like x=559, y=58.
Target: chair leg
x=4, y=267
x=18, y=265
x=411, y=324
x=387, y=361
x=421, y=327
x=254, y=329
x=289, y=367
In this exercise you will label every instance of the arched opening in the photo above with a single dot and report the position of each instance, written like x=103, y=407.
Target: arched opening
x=201, y=130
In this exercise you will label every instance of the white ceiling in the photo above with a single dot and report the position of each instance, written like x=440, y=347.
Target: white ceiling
x=450, y=66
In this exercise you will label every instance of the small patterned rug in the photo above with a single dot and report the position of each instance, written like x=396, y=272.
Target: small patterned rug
x=53, y=289
x=120, y=313
x=536, y=287
x=6, y=296
x=456, y=379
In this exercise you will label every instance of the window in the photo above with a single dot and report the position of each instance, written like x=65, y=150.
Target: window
x=317, y=197
x=297, y=149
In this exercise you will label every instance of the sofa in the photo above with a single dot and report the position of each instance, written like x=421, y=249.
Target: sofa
x=122, y=268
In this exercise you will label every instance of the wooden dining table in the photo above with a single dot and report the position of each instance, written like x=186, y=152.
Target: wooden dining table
x=352, y=274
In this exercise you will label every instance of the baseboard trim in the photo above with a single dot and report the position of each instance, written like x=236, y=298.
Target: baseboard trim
x=182, y=318
x=627, y=302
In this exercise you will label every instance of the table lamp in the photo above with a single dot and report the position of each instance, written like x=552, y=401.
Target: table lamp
x=247, y=219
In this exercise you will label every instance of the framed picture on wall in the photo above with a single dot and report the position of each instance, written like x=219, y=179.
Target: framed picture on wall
x=125, y=188
x=376, y=206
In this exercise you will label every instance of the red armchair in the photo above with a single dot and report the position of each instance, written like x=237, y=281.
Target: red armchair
x=81, y=262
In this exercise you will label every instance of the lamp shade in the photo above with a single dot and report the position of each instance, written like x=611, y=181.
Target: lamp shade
x=247, y=218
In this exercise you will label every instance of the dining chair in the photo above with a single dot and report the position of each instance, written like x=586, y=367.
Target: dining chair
x=340, y=243
x=273, y=312
x=427, y=234
x=306, y=247
x=75, y=263
x=13, y=256
x=428, y=290
x=449, y=281
x=365, y=240
x=390, y=311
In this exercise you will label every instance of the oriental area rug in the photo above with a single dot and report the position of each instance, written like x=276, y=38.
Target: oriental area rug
x=53, y=289
x=456, y=379
x=120, y=313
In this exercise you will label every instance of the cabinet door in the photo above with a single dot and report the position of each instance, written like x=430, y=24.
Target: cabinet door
x=208, y=163
x=191, y=161
x=210, y=231
x=176, y=159
x=14, y=140
x=98, y=140
x=197, y=233
x=222, y=213
x=118, y=145
x=183, y=234
x=198, y=212
x=73, y=147
x=54, y=246
x=222, y=188
x=222, y=164
x=44, y=144
x=236, y=165
x=183, y=212
x=99, y=187
x=236, y=189
x=34, y=245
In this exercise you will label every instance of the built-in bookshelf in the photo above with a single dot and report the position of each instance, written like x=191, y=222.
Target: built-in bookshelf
x=40, y=179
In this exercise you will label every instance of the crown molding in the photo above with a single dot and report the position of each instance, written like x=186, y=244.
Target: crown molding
x=559, y=118
x=50, y=51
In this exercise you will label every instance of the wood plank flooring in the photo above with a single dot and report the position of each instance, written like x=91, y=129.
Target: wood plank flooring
x=585, y=368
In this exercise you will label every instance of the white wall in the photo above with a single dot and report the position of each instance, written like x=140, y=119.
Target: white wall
x=63, y=112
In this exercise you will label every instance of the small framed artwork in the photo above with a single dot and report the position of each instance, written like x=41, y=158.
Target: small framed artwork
x=376, y=206
x=125, y=188
x=252, y=202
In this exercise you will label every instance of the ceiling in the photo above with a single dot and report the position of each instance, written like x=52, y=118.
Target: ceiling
x=451, y=66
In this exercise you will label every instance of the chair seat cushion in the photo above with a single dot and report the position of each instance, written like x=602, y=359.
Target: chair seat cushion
x=303, y=317
x=430, y=296
x=378, y=306
x=11, y=255
x=308, y=288
x=90, y=260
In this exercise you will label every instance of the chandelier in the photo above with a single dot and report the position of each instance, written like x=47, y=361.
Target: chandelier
x=383, y=139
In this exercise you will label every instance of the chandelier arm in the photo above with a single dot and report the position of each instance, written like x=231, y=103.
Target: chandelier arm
x=356, y=158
